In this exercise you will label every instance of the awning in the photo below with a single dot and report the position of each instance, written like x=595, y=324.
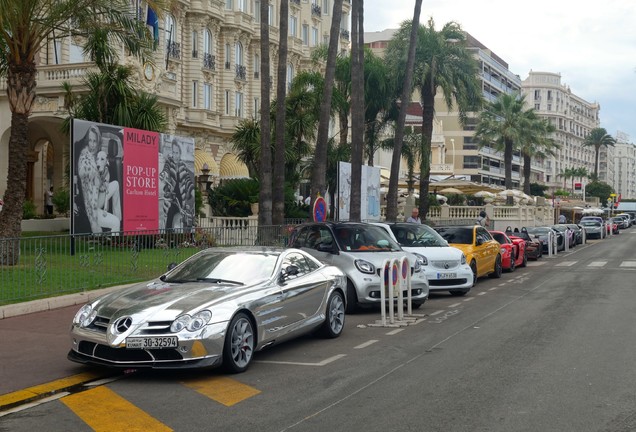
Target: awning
x=201, y=158
x=232, y=168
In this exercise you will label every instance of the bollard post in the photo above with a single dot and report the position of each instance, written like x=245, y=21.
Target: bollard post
x=406, y=284
x=550, y=243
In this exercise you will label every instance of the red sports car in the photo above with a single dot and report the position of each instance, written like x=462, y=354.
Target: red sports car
x=513, y=252
x=534, y=246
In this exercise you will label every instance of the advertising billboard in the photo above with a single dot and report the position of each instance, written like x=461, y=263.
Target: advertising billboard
x=127, y=179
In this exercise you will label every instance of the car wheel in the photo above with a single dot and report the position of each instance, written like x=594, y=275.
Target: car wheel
x=416, y=305
x=496, y=273
x=513, y=260
x=459, y=293
x=525, y=259
x=473, y=267
x=238, y=348
x=352, y=298
x=334, y=316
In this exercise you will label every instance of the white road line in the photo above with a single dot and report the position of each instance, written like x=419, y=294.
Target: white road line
x=492, y=289
x=436, y=313
x=481, y=293
x=366, y=344
x=502, y=284
x=322, y=363
x=394, y=332
x=454, y=305
x=535, y=263
x=566, y=264
x=469, y=299
x=628, y=264
x=597, y=264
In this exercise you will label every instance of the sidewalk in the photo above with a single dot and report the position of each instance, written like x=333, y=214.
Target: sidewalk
x=35, y=341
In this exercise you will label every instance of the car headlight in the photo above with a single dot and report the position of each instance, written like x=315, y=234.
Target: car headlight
x=421, y=259
x=503, y=251
x=365, y=266
x=85, y=316
x=191, y=323
x=463, y=260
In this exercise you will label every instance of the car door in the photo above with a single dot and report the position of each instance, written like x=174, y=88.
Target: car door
x=488, y=249
x=302, y=293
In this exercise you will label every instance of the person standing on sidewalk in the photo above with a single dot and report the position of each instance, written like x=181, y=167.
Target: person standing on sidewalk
x=415, y=216
x=48, y=199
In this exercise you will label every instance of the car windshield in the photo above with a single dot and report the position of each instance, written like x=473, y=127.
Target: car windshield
x=415, y=235
x=539, y=230
x=456, y=235
x=365, y=238
x=500, y=237
x=590, y=223
x=225, y=267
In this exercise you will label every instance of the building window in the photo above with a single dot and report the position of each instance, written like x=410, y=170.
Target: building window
x=257, y=108
x=76, y=53
x=472, y=162
x=257, y=11
x=207, y=42
x=314, y=36
x=229, y=5
x=290, y=75
x=228, y=56
x=469, y=143
x=271, y=20
x=207, y=96
x=293, y=23
x=57, y=51
x=537, y=107
x=537, y=94
x=195, y=44
x=242, y=5
x=227, y=102
x=325, y=7
x=305, y=35
x=195, y=89
x=257, y=66
x=238, y=108
x=549, y=94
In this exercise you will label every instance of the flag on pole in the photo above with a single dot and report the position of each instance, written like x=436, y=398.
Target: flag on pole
x=153, y=21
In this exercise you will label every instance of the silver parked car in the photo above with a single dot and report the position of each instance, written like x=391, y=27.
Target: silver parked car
x=593, y=228
x=217, y=307
x=445, y=266
x=359, y=250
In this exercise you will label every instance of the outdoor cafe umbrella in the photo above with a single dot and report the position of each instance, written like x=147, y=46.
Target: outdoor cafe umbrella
x=484, y=194
x=465, y=186
x=450, y=190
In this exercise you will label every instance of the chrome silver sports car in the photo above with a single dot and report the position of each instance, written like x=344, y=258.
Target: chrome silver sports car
x=217, y=307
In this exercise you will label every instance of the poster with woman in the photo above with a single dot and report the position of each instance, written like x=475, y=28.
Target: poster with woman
x=176, y=183
x=97, y=188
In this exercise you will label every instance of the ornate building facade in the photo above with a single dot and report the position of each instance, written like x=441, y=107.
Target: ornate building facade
x=206, y=73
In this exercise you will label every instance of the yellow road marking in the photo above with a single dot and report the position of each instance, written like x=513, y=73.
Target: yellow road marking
x=223, y=390
x=104, y=410
x=46, y=389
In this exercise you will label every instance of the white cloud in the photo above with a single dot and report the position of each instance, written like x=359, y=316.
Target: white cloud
x=591, y=44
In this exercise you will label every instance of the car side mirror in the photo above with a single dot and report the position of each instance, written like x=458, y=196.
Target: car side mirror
x=290, y=270
x=479, y=242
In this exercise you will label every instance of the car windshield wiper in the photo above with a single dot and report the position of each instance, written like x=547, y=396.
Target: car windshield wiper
x=217, y=280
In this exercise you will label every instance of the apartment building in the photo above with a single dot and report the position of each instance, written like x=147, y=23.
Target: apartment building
x=624, y=157
x=573, y=118
x=206, y=72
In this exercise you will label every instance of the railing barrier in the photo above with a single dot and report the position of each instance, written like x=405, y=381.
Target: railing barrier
x=395, y=279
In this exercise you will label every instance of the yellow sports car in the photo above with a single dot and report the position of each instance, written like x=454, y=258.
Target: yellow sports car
x=483, y=253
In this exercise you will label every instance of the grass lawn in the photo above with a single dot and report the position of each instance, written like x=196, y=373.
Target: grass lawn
x=48, y=268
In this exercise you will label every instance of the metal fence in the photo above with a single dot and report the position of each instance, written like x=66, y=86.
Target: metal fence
x=49, y=266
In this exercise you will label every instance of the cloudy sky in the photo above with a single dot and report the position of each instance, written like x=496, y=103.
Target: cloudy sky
x=592, y=44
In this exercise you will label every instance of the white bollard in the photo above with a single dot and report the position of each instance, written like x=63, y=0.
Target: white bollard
x=550, y=244
x=406, y=284
x=395, y=277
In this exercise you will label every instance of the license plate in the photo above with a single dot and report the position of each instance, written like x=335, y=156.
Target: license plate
x=158, y=342
x=446, y=275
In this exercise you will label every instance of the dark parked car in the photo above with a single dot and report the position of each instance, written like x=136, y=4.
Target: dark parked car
x=543, y=234
x=534, y=246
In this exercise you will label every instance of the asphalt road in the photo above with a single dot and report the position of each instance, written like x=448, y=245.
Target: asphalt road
x=546, y=348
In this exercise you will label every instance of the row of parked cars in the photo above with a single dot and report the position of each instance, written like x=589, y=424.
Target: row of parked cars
x=222, y=305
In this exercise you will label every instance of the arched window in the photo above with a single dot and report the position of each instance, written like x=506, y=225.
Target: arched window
x=170, y=28
x=207, y=42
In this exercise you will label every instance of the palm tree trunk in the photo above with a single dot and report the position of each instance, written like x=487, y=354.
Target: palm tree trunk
x=357, y=107
x=405, y=99
x=265, y=194
x=597, y=152
x=428, y=113
x=344, y=127
x=527, y=169
x=278, y=214
x=21, y=94
x=508, y=168
x=318, y=176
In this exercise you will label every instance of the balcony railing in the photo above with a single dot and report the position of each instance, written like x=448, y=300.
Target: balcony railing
x=209, y=61
x=174, y=50
x=240, y=72
x=296, y=2
x=227, y=65
x=316, y=10
x=344, y=33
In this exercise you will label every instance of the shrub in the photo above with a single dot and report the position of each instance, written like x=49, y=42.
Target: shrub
x=29, y=211
x=61, y=200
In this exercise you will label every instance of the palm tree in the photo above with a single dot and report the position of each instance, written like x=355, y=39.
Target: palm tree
x=580, y=173
x=318, y=179
x=246, y=144
x=378, y=91
x=567, y=173
x=278, y=195
x=111, y=96
x=405, y=99
x=265, y=193
x=536, y=144
x=597, y=138
x=503, y=124
x=411, y=154
x=24, y=27
x=442, y=63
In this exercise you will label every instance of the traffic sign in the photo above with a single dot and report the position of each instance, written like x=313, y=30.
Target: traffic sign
x=320, y=210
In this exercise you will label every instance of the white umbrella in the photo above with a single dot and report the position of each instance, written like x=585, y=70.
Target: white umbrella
x=484, y=194
x=510, y=192
x=450, y=190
